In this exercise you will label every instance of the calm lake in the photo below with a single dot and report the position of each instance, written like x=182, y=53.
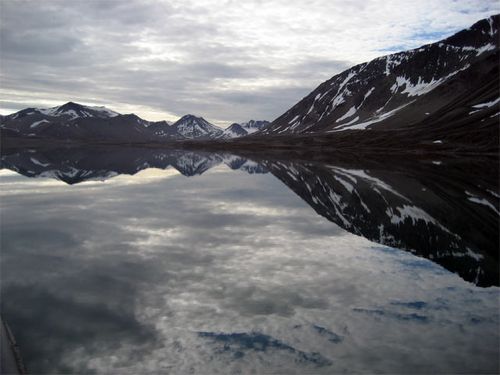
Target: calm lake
x=140, y=260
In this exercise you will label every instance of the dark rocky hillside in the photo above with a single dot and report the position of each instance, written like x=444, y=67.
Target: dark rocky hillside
x=451, y=80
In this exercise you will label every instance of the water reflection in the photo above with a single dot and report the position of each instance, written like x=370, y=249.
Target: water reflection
x=230, y=272
x=444, y=213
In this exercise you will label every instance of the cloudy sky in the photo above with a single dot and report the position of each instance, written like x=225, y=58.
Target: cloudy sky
x=223, y=60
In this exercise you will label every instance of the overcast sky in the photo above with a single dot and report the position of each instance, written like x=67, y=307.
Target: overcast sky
x=224, y=60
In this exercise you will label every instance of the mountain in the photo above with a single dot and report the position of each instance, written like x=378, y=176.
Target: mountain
x=233, y=131
x=441, y=97
x=68, y=111
x=73, y=121
x=191, y=127
x=454, y=80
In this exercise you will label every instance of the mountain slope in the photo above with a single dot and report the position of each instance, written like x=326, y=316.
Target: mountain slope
x=406, y=88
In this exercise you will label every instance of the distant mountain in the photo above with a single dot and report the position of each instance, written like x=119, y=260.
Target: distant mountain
x=239, y=130
x=191, y=127
x=456, y=79
x=234, y=131
x=73, y=121
x=68, y=111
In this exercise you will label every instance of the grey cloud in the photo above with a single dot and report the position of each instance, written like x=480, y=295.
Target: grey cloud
x=53, y=55
x=170, y=56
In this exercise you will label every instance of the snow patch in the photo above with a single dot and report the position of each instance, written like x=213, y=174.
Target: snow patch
x=294, y=119
x=363, y=125
x=37, y=162
x=348, y=114
x=482, y=201
x=483, y=49
x=35, y=124
x=487, y=104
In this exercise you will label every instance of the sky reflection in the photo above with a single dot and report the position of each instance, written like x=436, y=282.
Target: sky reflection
x=223, y=272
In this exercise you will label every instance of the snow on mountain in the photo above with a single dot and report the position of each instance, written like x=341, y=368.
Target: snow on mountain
x=191, y=127
x=401, y=89
x=254, y=125
x=69, y=111
x=233, y=131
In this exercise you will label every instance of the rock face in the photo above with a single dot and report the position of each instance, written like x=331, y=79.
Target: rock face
x=455, y=77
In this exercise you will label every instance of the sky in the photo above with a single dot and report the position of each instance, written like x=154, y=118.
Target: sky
x=228, y=61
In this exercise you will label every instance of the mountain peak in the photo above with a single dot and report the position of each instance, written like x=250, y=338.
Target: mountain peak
x=190, y=117
x=191, y=126
x=481, y=33
x=71, y=105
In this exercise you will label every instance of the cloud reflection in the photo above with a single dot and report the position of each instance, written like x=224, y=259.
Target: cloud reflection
x=124, y=276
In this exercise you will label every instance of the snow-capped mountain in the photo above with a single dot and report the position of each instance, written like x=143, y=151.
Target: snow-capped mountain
x=233, y=131
x=456, y=76
x=191, y=127
x=68, y=111
x=236, y=130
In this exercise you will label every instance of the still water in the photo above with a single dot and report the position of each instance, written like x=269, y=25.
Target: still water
x=130, y=260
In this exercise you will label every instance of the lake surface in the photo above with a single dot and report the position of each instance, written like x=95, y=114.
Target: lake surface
x=139, y=260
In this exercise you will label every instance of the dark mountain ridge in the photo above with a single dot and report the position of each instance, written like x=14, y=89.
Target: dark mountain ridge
x=408, y=88
x=76, y=122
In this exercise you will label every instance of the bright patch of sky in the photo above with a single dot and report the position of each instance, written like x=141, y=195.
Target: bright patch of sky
x=224, y=60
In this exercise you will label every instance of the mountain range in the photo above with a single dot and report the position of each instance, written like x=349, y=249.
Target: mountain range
x=72, y=121
x=439, y=97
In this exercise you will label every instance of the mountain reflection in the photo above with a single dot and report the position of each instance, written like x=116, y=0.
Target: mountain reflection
x=446, y=212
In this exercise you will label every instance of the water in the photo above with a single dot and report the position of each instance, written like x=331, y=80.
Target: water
x=129, y=260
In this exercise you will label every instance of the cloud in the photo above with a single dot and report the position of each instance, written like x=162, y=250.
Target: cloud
x=227, y=61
